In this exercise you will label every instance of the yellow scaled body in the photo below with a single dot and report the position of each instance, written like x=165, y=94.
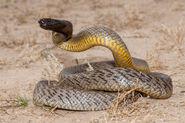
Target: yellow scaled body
x=101, y=36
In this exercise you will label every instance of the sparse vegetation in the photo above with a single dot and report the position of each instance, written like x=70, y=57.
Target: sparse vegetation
x=17, y=102
x=53, y=67
x=21, y=101
x=3, y=62
x=172, y=41
x=130, y=18
x=177, y=6
x=173, y=38
x=27, y=48
x=133, y=18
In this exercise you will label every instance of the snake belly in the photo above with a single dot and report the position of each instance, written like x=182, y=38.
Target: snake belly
x=79, y=89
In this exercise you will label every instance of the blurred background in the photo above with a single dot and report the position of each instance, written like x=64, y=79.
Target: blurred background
x=153, y=30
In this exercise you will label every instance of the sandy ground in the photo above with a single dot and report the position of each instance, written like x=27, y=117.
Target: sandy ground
x=153, y=30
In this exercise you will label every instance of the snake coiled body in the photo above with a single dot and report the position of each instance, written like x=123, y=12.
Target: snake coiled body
x=79, y=89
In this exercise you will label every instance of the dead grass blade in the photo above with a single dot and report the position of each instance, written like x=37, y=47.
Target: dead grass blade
x=171, y=44
x=126, y=99
x=53, y=67
x=173, y=37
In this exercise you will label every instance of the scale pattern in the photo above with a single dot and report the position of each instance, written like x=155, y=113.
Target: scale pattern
x=77, y=89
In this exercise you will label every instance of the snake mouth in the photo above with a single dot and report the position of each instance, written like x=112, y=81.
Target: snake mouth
x=52, y=24
x=43, y=23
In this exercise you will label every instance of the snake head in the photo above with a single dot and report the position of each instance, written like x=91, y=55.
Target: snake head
x=60, y=26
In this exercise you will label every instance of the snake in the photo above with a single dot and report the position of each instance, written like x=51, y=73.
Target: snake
x=79, y=89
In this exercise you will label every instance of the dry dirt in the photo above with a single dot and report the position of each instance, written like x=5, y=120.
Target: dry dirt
x=153, y=30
